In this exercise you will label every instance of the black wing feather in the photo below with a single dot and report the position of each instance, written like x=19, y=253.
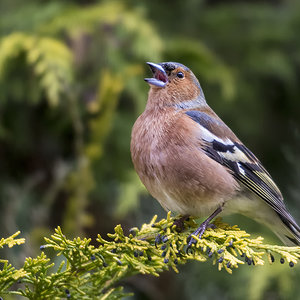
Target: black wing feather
x=249, y=171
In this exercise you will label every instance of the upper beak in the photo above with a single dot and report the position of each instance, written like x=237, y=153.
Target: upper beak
x=160, y=77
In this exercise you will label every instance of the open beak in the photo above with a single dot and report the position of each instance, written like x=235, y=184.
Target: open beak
x=160, y=77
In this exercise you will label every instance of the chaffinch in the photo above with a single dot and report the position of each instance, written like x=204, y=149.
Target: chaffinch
x=193, y=164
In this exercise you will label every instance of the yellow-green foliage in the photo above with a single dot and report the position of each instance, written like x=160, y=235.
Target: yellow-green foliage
x=86, y=271
x=11, y=241
x=8, y=274
x=49, y=59
x=130, y=25
x=123, y=38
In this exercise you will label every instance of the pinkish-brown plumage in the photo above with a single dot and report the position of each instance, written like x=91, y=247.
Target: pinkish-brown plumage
x=165, y=153
x=193, y=164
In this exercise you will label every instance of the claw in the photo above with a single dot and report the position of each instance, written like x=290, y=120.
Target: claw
x=198, y=232
x=191, y=241
x=201, y=229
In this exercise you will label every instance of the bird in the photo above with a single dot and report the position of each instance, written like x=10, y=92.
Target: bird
x=192, y=162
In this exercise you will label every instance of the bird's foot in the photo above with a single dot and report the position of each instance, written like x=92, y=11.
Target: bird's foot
x=198, y=232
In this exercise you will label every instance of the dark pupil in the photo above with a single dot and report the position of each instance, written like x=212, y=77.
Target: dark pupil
x=180, y=75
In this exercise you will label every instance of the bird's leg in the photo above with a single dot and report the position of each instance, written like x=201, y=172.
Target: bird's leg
x=179, y=223
x=201, y=229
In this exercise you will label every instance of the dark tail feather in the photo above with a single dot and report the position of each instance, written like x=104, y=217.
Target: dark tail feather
x=289, y=233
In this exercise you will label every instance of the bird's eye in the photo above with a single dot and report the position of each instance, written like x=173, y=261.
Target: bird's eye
x=180, y=75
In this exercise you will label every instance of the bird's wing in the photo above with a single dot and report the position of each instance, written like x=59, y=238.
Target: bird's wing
x=242, y=163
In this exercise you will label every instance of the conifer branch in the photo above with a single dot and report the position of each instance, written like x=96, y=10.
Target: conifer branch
x=86, y=271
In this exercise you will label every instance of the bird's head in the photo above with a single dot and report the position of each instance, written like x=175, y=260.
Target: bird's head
x=173, y=84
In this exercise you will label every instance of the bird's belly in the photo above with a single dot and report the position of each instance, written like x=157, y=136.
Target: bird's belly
x=178, y=173
x=195, y=202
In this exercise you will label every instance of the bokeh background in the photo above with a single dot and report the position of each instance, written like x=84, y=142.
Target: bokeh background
x=71, y=87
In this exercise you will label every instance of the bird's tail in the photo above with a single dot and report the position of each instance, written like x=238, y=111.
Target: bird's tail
x=279, y=221
x=288, y=230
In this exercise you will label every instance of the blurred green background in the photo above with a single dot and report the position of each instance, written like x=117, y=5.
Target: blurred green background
x=71, y=87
